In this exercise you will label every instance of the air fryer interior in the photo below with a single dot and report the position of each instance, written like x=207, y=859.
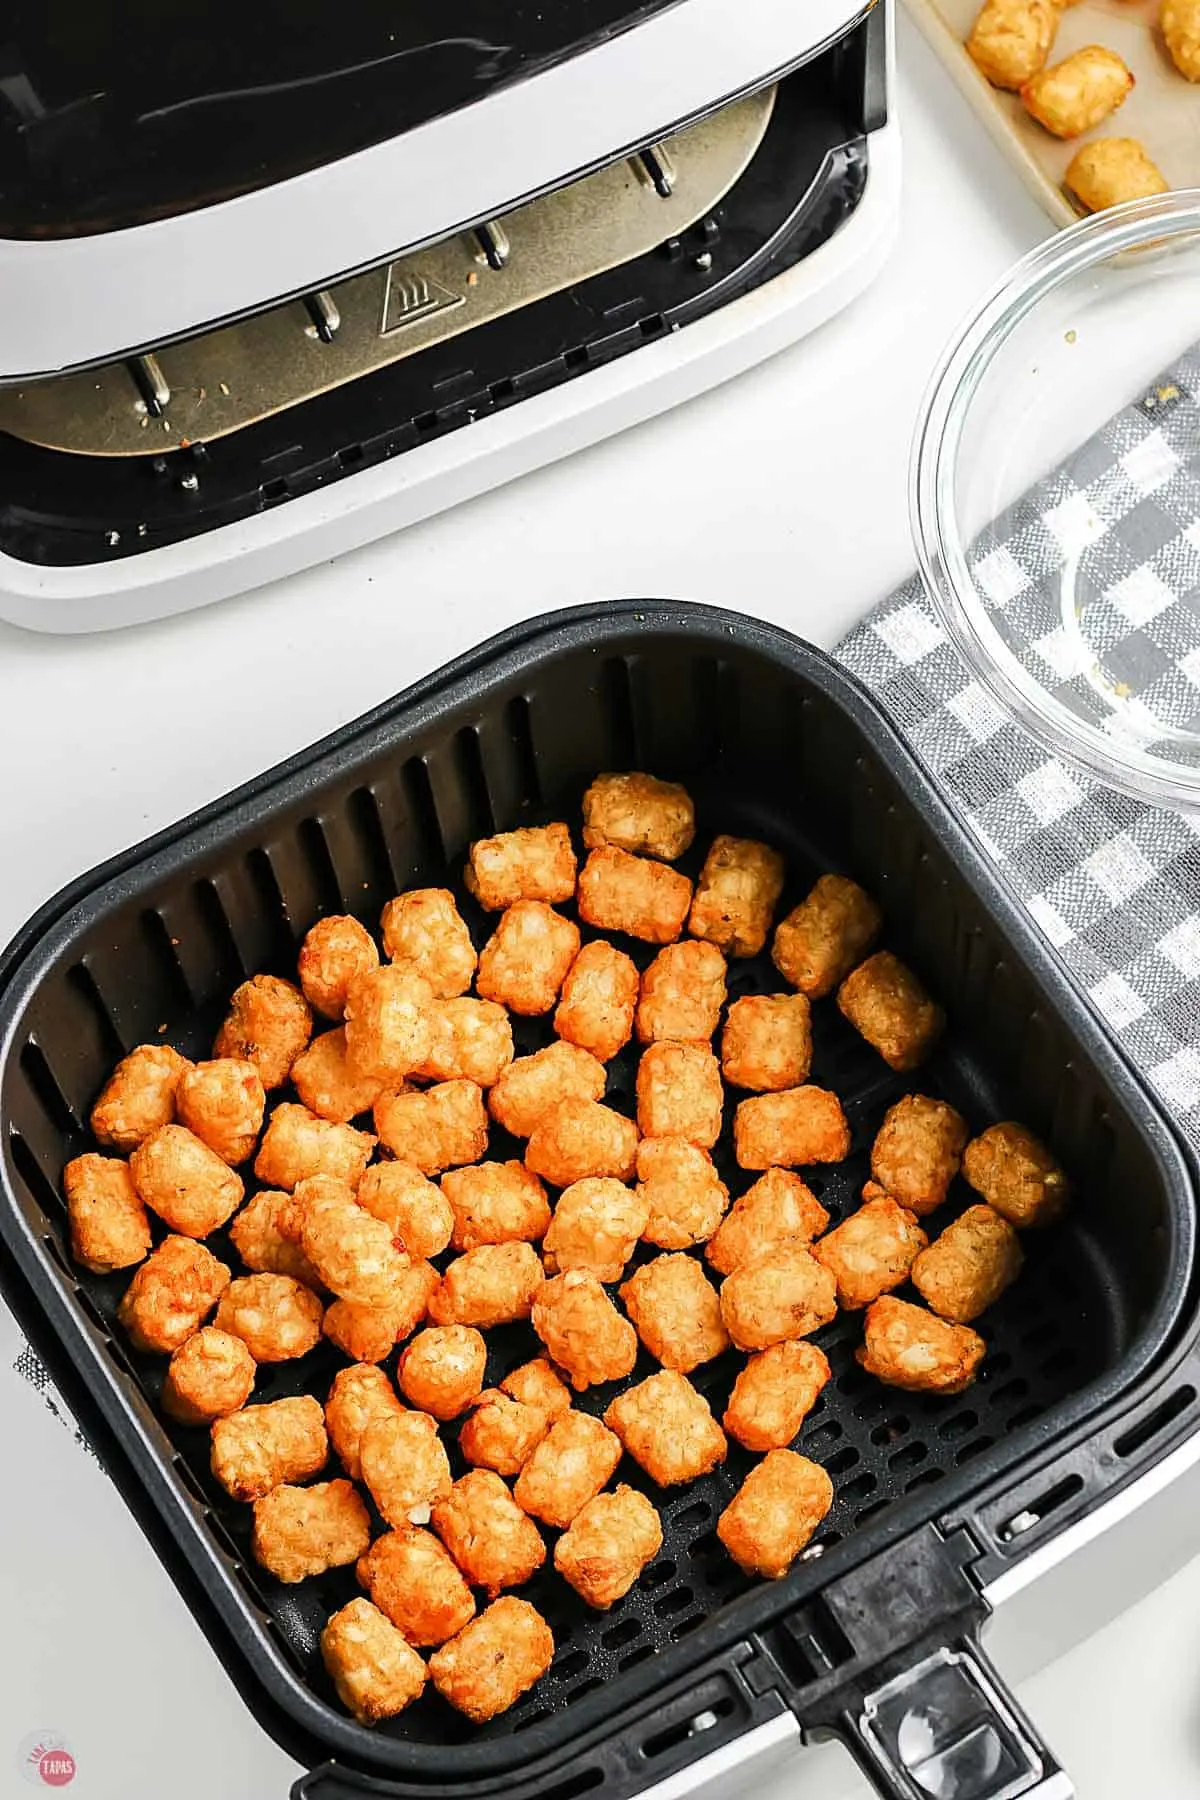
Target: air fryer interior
x=769, y=751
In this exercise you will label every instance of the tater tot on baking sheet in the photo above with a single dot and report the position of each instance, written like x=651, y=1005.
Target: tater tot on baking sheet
x=355, y=1255
x=682, y=993
x=412, y=1578
x=608, y=1544
x=525, y=961
x=412, y=1207
x=357, y=1396
x=494, y=1543
x=578, y=1138
x=368, y=1333
x=1017, y=1174
x=774, y=1394
x=276, y=1317
x=1073, y=95
x=582, y=1330
x=907, y=1347
x=598, y=999
x=501, y=1433
x=596, y=1226
x=684, y=1196
x=679, y=1093
x=376, y=1672
x=471, y=1040
x=833, y=927
x=779, y=1207
x=495, y=1203
x=188, y=1185
x=109, y=1227
x=302, y=1531
x=494, y=1660
x=1179, y=22
x=630, y=894
x=676, y=1312
x=405, y=1467
x=871, y=1251
x=968, y=1267
x=441, y=1370
x=425, y=929
x=439, y=1129
x=917, y=1151
x=534, y=863
x=885, y=1002
x=775, y=1513
x=1011, y=39
x=492, y=1285
x=388, y=1030
x=567, y=1469
x=174, y=1290
x=536, y=1384
x=266, y=1235
x=532, y=1085
x=138, y=1097
x=735, y=896
x=767, y=1042
x=667, y=1426
x=639, y=813
x=256, y=1449
x=269, y=1023
x=222, y=1103
x=297, y=1144
x=209, y=1376
x=786, y=1293
x=328, y=1083
x=799, y=1125
x=334, y=953
x=1112, y=170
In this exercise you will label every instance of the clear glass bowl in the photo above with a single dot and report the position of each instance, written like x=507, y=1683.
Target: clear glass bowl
x=1055, y=496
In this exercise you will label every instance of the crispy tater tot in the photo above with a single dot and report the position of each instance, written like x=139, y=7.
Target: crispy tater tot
x=404, y=1466
x=1112, y=170
x=276, y=1317
x=376, y=1672
x=138, y=1097
x=109, y=1227
x=800, y=1125
x=969, y=1266
x=494, y=1660
x=917, y=1150
x=735, y=896
x=266, y=1235
x=370, y=1333
x=328, y=1083
x=355, y=1255
x=619, y=892
x=298, y=1145
x=269, y=1023
x=334, y=953
x=425, y=929
x=639, y=813
x=568, y=1468
x=778, y=1209
x=582, y=1330
x=1079, y=92
x=184, y=1182
x=502, y=1433
x=495, y=1203
x=257, y=1448
x=171, y=1293
x=416, y=1583
x=786, y=1293
x=578, y=1138
x=596, y=1226
x=907, y=1347
x=222, y=1103
x=441, y=1371
x=494, y=1543
x=682, y=993
x=534, y=863
x=413, y=1207
x=439, y=1129
x=598, y=1000
x=1179, y=22
x=668, y=1427
x=302, y=1531
x=471, y=1040
x=871, y=1252
x=774, y=1394
x=532, y=1085
x=357, y=1397
x=775, y=1513
x=679, y=1093
x=492, y=1285
x=607, y=1545
x=684, y=1196
x=676, y=1312
x=526, y=959
x=1016, y=1174
x=388, y=1028
x=886, y=1003
x=767, y=1042
x=536, y=1384
x=209, y=1376
x=833, y=927
x=1011, y=39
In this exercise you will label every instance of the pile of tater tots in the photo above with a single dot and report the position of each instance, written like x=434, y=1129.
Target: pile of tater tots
x=406, y=1244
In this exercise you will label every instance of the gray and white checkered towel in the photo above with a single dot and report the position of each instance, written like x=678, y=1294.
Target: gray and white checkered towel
x=1113, y=884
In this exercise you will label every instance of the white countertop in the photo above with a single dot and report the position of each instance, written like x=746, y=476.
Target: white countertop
x=782, y=494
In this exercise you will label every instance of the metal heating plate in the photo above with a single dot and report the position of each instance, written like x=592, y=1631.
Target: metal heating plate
x=209, y=386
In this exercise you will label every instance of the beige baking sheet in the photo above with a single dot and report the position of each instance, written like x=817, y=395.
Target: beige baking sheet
x=1163, y=110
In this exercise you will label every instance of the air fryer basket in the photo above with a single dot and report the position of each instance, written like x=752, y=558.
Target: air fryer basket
x=774, y=742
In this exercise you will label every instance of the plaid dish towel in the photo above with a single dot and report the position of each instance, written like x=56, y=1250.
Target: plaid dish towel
x=1112, y=883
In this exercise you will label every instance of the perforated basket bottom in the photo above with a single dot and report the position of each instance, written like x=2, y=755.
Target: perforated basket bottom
x=1059, y=1325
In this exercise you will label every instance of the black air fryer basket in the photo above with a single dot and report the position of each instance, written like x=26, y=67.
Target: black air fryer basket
x=874, y=1634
